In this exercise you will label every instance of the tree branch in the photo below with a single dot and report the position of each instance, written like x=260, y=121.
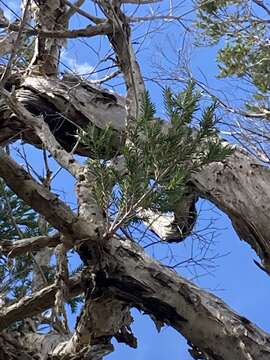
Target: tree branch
x=102, y=317
x=199, y=316
x=56, y=212
x=239, y=186
x=34, y=304
x=136, y=279
x=46, y=56
x=85, y=14
x=19, y=247
x=65, y=159
x=73, y=9
x=239, y=172
x=100, y=29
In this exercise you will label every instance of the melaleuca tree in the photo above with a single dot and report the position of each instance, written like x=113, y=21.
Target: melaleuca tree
x=141, y=169
x=157, y=166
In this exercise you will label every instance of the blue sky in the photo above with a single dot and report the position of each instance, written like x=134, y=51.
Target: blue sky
x=236, y=279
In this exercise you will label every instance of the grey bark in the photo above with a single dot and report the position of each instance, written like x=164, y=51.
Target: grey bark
x=134, y=278
x=240, y=186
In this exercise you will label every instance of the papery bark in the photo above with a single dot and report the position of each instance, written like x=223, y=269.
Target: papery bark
x=238, y=185
x=133, y=278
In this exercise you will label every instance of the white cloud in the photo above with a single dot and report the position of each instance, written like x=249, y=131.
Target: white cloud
x=83, y=68
x=78, y=68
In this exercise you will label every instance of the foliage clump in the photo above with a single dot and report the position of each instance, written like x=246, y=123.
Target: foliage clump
x=17, y=220
x=242, y=33
x=159, y=157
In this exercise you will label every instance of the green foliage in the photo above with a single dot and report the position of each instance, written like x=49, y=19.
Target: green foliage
x=158, y=159
x=14, y=210
x=17, y=220
x=242, y=30
x=75, y=303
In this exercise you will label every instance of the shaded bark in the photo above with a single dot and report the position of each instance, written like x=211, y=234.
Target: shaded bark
x=14, y=248
x=28, y=346
x=67, y=106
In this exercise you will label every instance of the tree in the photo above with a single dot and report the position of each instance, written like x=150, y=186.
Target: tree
x=140, y=170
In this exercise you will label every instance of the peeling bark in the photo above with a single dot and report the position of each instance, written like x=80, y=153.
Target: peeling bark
x=240, y=187
x=29, y=346
x=132, y=278
x=46, y=111
x=240, y=180
x=66, y=106
x=176, y=226
x=103, y=317
x=204, y=319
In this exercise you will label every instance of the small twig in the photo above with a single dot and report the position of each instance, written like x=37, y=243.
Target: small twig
x=85, y=14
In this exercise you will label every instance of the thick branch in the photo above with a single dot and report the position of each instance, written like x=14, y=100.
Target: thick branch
x=36, y=303
x=14, y=248
x=205, y=320
x=120, y=40
x=103, y=28
x=240, y=187
x=138, y=280
x=56, y=212
x=99, y=29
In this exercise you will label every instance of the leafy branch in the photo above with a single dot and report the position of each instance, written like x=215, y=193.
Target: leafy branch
x=158, y=159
